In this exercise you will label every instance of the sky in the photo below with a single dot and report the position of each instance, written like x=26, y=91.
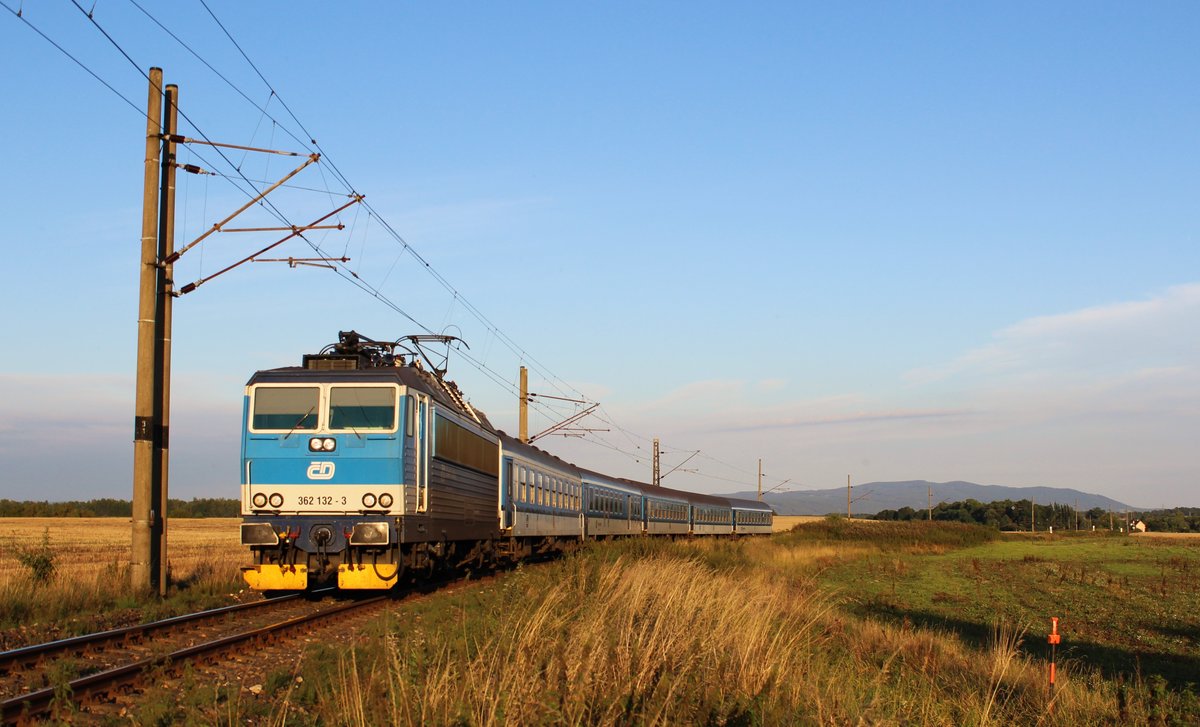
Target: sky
x=891, y=241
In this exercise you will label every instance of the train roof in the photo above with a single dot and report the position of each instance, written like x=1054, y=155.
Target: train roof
x=741, y=504
x=528, y=451
x=611, y=481
x=408, y=375
x=693, y=497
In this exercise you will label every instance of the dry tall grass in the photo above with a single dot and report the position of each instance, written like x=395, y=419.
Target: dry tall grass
x=607, y=646
x=668, y=639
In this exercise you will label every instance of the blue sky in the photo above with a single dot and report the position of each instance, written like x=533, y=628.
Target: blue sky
x=896, y=241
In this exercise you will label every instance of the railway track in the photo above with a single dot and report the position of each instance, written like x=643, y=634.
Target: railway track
x=103, y=663
x=107, y=667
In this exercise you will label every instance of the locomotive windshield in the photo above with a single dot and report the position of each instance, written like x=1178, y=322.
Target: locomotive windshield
x=362, y=407
x=286, y=407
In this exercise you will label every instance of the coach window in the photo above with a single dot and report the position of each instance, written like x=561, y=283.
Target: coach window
x=285, y=408
x=362, y=407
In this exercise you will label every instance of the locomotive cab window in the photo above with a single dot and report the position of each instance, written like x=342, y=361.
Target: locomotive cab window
x=362, y=407
x=285, y=408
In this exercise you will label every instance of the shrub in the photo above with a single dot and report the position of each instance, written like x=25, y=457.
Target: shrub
x=37, y=560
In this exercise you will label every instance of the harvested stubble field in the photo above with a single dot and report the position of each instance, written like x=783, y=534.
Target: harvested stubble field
x=75, y=574
x=84, y=544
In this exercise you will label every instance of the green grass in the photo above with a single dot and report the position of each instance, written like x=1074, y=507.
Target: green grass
x=1124, y=605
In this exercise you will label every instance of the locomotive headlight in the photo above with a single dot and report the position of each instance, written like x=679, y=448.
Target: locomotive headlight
x=260, y=499
x=276, y=499
x=368, y=500
x=328, y=444
x=314, y=444
x=385, y=500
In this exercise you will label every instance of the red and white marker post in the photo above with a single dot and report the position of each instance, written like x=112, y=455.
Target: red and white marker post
x=1054, y=640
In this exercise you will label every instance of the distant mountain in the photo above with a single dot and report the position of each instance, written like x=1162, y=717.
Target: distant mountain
x=871, y=497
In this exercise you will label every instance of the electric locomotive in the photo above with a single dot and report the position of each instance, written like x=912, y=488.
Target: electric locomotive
x=361, y=463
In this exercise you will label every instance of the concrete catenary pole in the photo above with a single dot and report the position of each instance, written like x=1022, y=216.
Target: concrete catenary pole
x=657, y=468
x=760, y=479
x=146, y=557
x=166, y=246
x=523, y=426
x=847, y=496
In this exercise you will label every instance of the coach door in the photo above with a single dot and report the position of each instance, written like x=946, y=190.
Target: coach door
x=423, y=447
x=508, y=478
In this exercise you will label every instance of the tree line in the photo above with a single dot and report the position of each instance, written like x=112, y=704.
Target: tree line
x=108, y=507
x=1026, y=515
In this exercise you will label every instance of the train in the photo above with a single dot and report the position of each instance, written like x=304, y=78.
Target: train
x=365, y=466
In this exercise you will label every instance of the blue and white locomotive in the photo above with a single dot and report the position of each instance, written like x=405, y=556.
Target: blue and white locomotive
x=363, y=464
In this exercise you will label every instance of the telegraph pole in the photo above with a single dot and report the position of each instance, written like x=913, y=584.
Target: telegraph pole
x=146, y=558
x=657, y=477
x=523, y=434
x=760, y=479
x=929, y=495
x=847, y=497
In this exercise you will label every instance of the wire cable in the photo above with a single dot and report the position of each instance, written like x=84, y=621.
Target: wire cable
x=20, y=16
x=354, y=278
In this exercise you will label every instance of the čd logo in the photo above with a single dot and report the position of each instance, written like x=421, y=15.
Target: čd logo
x=320, y=471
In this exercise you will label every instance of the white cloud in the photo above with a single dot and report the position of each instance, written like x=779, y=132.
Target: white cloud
x=1159, y=331
x=768, y=385
x=1105, y=399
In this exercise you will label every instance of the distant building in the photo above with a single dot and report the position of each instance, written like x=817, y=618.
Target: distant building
x=1137, y=526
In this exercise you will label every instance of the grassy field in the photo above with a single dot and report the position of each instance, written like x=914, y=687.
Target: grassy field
x=1128, y=603
x=836, y=622
x=833, y=622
